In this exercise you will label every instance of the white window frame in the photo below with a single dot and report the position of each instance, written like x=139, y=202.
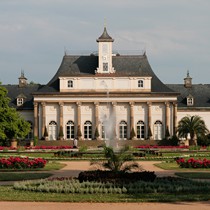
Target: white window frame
x=70, y=84
x=52, y=130
x=140, y=130
x=123, y=128
x=88, y=130
x=140, y=83
x=70, y=133
x=158, y=130
x=190, y=101
x=20, y=101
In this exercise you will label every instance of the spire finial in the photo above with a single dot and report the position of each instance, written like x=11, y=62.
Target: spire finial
x=104, y=22
x=22, y=73
x=188, y=73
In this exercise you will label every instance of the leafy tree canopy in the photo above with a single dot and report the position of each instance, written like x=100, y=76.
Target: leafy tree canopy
x=12, y=125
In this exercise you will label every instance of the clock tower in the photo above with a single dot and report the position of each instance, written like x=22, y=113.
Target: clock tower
x=105, y=53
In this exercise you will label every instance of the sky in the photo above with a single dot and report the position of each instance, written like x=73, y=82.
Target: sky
x=35, y=34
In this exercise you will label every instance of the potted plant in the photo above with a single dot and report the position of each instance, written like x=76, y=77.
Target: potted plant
x=97, y=134
x=149, y=133
x=132, y=134
x=45, y=133
x=79, y=133
x=61, y=133
x=167, y=135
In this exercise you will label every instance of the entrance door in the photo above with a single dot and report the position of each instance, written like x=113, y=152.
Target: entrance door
x=52, y=130
x=158, y=130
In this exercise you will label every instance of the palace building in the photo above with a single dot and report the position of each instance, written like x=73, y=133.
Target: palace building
x=90, y=93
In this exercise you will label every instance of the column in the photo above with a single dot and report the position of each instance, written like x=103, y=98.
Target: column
x=131, y=119
x=79, y=133
x=61, y=121
x=43, y=117
x=96, y=120
x=114, y=118
x=149, y=105
x=36, y=119
x=167, y=124
x=175, y=125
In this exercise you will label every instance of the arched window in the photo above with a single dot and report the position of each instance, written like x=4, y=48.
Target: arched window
x=52, y=130
x=158, y=130
x=123, y=130
x=140, y=129
x=140, y=83
x=70, y=130
x=70, y=84
x=88, y=130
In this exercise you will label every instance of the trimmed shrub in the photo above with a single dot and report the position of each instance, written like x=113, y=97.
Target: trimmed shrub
x=115, y=177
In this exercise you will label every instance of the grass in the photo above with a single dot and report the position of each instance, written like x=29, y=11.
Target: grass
x=174, y=166
x=7, y=193
x=14, y=176
x=194, y=175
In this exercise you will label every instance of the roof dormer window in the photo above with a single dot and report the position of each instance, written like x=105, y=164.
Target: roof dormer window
x=20, y=101
x=190, y=101
x=70, y=84
x=140, y=83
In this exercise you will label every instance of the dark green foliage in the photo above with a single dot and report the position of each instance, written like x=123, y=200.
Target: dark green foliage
x=35, y=140
x=194, y=125
x=204, y=141
x=173, y=141
x=121, y=160
x=12, y=125
x=116, y=177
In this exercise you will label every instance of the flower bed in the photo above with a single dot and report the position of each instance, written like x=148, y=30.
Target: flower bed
x=193, y=163
x=22, y=163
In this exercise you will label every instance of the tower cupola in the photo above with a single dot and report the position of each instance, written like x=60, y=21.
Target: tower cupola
x=188, y=81
x=22, y=80
x=105, y=53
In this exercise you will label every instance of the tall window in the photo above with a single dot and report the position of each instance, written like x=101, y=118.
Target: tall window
x=105, y=66
x=52, y=130
x=123, y=130
x=141, y=83
x=70, y=130
x=158, y=130
x=140, y=130
x=70, y=84
x=88, y=130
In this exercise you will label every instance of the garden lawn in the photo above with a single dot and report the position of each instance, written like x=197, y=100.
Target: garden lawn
x=13, y=176
x=7, y=193
x=194, y=175
x=174, y=166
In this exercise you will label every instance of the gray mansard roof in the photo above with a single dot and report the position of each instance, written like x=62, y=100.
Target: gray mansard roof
x=14, y=92
x=199, y=92
x=125, y=65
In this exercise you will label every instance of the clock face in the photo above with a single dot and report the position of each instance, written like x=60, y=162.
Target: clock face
x=104, y=57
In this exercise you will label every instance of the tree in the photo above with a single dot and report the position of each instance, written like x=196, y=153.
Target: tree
x=12, y=125
x=192, y=125
x=121, y=160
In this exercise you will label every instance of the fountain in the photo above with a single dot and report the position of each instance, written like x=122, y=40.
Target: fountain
x=108, y=122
